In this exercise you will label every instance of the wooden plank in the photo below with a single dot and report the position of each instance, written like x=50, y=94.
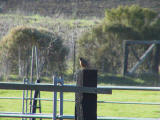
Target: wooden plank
x=72, y=88
x=34, y=104
x=125, y=55
x=142, y=58
x=142, y=42
x=51, y=87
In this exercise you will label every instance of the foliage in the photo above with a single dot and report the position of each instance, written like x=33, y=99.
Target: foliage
x=16, y=48
x=132, y=16
x=66, y=28
x=103, y=44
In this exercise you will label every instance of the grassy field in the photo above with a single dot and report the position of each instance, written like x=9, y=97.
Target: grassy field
x=88, y=8
x=62, y=26
x=104, y=109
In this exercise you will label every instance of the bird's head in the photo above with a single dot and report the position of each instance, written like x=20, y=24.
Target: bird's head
x=80, y=58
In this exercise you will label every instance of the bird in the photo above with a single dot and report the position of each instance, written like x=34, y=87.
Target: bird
x=83, y=63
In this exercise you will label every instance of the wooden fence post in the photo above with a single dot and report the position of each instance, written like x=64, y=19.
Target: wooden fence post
x=125, y=62
x=86, y=103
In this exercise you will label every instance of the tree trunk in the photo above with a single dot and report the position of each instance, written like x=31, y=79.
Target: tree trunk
x=19, y=62
x=156, y=63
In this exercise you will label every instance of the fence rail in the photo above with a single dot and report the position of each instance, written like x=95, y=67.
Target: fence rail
x=142, y=42
x=73, y=88
x=51, y=87
x=50, y=116
x=70, y=100
x=131, y=88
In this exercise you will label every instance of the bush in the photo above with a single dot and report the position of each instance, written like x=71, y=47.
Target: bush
x=103, y=44
x=17, y=45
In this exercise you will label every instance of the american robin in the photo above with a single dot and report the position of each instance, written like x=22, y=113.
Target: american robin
x=83, y=63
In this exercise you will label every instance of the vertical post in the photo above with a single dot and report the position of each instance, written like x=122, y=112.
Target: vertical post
x=54, y=99
x=74, y=53
x=74, y=56
x=125, y=62
x=61, y=99
x=23, y=105
x=31, y=78
x=25, y=98
x=37, y=65
x=156, y=62
x=19, y=62
x=34, y=105
x=37, y=93
x=32, y=66
x=86, y=103
x=27, y=79
x=40, y=111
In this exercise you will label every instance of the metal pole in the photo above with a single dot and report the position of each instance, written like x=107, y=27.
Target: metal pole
x=31, y=77
x=27, y=81
x=38, y=77
x=23, y=100
x=54, y=99
x=40, y=111
x=61, y=99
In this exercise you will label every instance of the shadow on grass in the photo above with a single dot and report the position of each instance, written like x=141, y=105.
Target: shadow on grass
x=103, y=79
x=140, y=80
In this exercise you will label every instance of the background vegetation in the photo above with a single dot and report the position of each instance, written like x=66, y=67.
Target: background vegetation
x=68, y=29
x=70, y=8
x=117, y=25
x=16, y=50
x=103, y=45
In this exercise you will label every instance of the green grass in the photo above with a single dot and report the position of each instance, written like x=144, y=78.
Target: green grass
x=117, y=79
x=103, y=79
x=46, y=21
x=104, y=109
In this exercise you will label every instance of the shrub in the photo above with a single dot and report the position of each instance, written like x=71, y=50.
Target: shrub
x=16, y=49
